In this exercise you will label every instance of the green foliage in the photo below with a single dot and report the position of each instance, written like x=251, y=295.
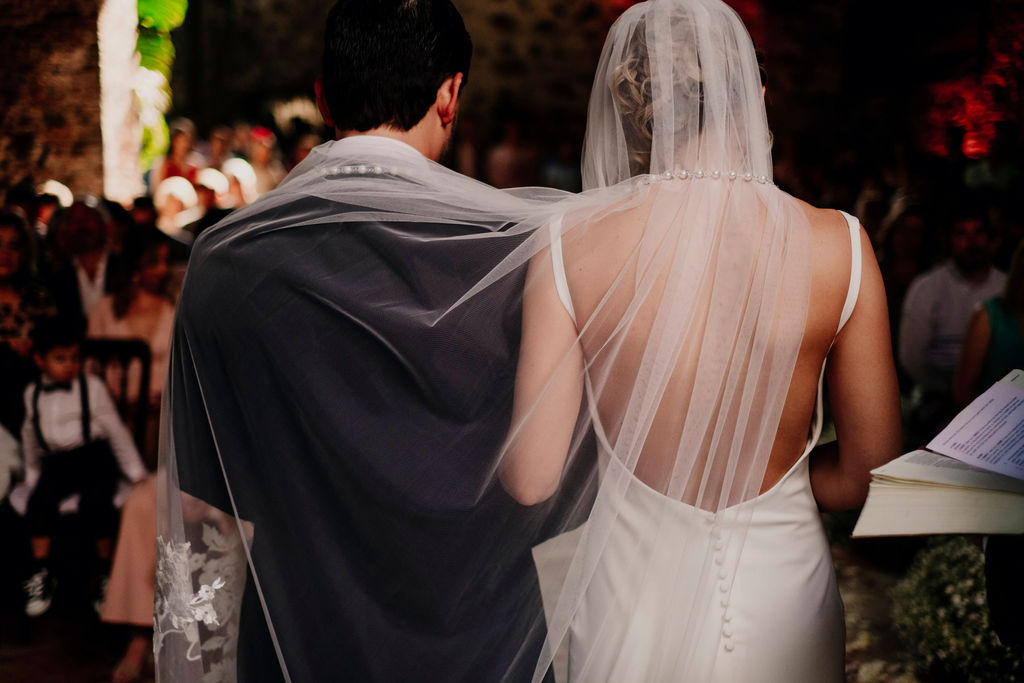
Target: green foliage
x=941, y=614
x=157, y=18
x=155, y=140
x=156, y=51
x=162, y=16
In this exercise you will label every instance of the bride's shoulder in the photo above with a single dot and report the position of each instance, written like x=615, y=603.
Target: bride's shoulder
x=830, y=231
x=823, y=220
x=831, y=257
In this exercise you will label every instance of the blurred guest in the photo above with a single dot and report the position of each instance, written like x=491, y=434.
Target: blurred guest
x=17, y=565
x=143, y=211
x=129, y=598
x=994, y=342
x=936, y=310
x=23, y=303
x=177, y=205
x=263, y=157
x=22, y=198
x=119, y=224
x=241, y=132
x=76, y=449
x=219, y=149
x=62, y=192
x=242, y=185
x=181, y=160
x=10, y=468
x=83, y=262
x=902, y=254
x=212, y=189
x=52, y=197
x=141, y=307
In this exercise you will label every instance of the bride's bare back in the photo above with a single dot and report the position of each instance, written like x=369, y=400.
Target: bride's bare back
x=617, y=283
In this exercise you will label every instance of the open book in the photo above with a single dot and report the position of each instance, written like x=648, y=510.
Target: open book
x=970, y=480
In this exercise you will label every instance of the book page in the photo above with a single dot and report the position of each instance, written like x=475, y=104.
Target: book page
x=1014, y=379
x=989, y=433
x=932, y=468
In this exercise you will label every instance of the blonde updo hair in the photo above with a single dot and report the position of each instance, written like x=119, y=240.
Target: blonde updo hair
x=631, y=93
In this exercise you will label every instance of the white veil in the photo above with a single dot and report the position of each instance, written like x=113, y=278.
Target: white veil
x=690, y=300
x=389, y=383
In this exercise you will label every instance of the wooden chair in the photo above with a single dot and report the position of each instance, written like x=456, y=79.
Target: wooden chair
x=99, y=355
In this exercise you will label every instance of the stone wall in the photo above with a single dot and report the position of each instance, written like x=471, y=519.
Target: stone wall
x=50, y=94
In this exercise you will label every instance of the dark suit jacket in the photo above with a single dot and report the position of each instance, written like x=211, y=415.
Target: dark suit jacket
x=63, y=286
x=358, y=432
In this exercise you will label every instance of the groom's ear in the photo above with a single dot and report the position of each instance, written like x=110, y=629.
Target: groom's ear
x=448, y=99
x=321, y=103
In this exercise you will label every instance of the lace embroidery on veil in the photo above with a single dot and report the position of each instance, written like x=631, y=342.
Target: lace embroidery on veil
x=219, y=571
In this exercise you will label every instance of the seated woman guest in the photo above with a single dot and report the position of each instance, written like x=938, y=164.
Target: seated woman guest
x=994, y=342
x=129, y=598
x=141, y=307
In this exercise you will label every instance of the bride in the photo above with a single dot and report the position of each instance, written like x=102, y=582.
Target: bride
x=690, y=322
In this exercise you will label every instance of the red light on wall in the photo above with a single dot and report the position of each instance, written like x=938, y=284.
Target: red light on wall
x=976, y=104
x=976, y=145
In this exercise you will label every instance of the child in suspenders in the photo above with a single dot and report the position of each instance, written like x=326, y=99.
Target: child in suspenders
x=77, y=452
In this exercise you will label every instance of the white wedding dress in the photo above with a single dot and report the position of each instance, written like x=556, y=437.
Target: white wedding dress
x=776, y=617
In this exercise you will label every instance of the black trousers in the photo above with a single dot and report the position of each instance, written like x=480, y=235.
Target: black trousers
x=90, y=471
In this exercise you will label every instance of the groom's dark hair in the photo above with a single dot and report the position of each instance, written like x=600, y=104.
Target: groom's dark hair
x=384, y=60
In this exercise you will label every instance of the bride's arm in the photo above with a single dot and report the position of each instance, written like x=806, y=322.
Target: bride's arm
x=864, y=397
x=548, y=391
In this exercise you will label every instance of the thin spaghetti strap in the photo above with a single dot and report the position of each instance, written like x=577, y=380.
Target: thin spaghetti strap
x=852, y=292
x=558, y=266
x=855, y=270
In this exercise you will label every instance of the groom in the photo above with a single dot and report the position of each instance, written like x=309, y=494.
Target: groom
x=309, y=395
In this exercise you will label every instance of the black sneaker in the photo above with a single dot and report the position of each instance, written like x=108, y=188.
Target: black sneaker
x=101, y=595
x=38, y=593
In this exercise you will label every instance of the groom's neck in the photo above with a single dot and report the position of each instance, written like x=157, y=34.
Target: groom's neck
x=422, y=137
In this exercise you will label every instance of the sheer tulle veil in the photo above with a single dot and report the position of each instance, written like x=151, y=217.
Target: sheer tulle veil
x=401, y=428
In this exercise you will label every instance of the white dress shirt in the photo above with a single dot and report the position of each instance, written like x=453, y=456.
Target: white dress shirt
x=60, y=422
x=91, y=290
x=936, y=311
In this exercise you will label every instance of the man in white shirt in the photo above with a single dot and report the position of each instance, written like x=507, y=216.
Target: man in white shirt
x=938, y=305
x=79, y=284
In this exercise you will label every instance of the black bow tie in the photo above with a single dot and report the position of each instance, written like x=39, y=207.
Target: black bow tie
x=47, y=388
